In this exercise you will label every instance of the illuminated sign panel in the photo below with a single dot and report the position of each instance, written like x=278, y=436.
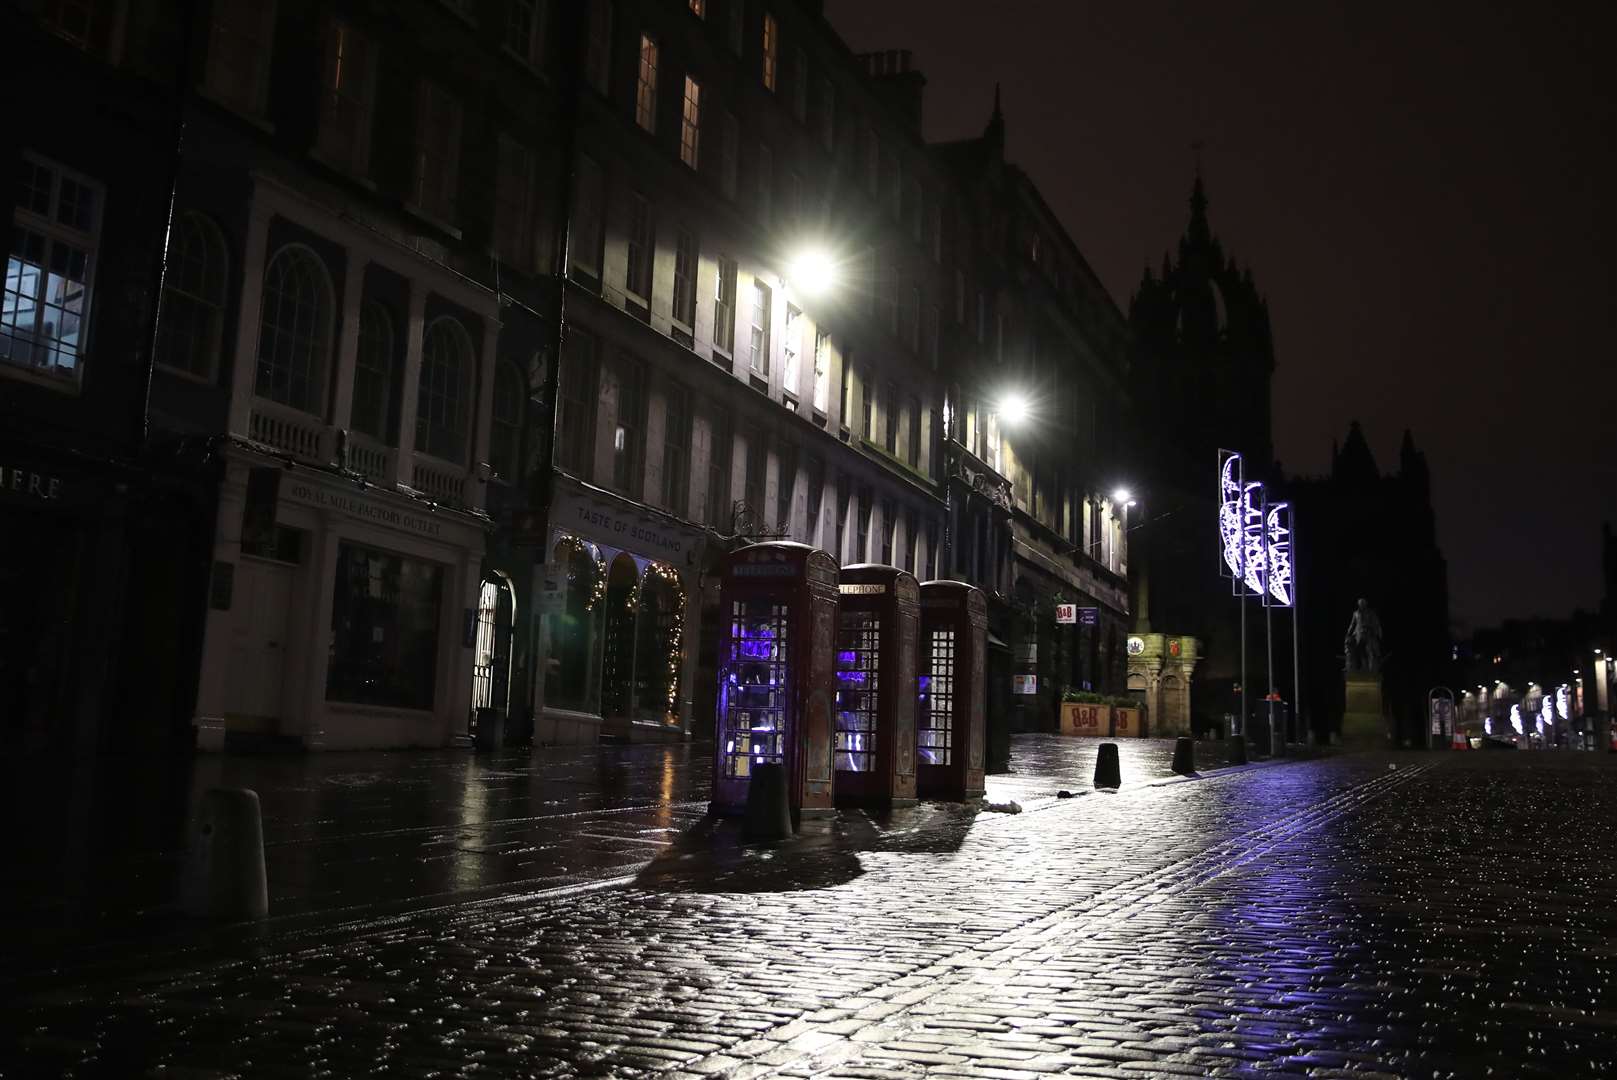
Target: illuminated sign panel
x=1278, y=554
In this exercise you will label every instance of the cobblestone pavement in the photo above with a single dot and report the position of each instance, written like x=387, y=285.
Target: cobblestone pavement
x=1414, y=915
x=349, y=831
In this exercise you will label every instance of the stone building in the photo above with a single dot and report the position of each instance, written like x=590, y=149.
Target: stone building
x=1201, y=383
x=423, y=305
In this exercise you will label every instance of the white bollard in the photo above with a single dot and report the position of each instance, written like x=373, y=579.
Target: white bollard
x=225, y=876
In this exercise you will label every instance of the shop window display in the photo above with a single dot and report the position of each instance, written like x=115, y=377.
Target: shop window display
x=384, y=629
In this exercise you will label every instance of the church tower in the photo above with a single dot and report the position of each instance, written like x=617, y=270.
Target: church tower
x=1202, y=380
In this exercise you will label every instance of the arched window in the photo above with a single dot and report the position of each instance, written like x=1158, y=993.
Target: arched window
x=373, y=373
x=193, y=297
x=503, y=436
x=446, y=366
x=294, y=330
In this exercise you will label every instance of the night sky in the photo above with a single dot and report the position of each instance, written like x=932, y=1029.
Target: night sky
x=1424, y=192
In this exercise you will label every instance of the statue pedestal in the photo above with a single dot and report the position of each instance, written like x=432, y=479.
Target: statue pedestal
x=1364, y=720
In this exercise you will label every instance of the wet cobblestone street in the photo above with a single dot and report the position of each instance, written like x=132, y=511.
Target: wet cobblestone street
x=1409, y=915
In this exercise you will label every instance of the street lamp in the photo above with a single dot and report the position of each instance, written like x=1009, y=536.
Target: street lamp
x=812, y=271
x=1123, y=497
x=1013, y=407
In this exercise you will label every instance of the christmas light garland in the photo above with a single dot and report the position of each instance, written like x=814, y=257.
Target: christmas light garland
x=575, y=546
x=670, y=577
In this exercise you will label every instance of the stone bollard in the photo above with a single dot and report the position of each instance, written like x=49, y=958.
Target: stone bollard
x=1108, y=773
x=1237, y=749
x=769, y=814
x=225, y=873
x=1184, y=755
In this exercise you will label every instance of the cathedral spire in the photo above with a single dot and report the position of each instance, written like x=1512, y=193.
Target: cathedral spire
x=1200, y=234
x=994, y=134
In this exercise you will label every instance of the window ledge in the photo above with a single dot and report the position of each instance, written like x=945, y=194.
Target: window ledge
x=432, y=219
x=257, y=119
x=345, y=168
x=65, y=384
x=181, y=373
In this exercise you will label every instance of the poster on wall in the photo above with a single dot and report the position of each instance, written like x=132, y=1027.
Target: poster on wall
x=1024, y=684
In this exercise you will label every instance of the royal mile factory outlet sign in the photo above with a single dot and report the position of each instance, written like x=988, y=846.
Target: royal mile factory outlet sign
x=367, y=509
x=608, y=524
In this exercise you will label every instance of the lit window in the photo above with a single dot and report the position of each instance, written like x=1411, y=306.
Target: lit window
x=684, y=279
x=505, y=428
x=446, y=374
x=373, y=373
x=188, y=329
x=771, y=49
x=347, y=89
x=759, y=347
x=626, y=436
x=645, y=99
x=294, y=335
x=525, y=29
x=437, y=152
x=724, y=306
x=822, y=369
x=514, y=232
x=690, y=125
x=598, y=50
x=240, y=42
x=46, y=303
x=792, y=351
x=638, y=280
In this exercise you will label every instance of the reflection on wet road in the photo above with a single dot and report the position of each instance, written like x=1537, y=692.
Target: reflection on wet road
x=1331, y=917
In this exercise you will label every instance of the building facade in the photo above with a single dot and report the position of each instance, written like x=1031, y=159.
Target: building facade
x=457, y=340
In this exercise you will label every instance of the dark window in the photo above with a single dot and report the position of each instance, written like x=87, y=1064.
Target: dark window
x=626, y=439
x=384, y=629
x=676, y=450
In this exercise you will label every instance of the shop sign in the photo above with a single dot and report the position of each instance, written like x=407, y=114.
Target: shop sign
x=29, y=483
x=1089, y=616
x=552, y=589
x=1024, y=684
x=1136, y=646
x=366, y=509
x=1066, y=614
x=607, y=524
x=1086, y=719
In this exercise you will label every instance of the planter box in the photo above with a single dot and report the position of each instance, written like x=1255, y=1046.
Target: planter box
x=1128, y=723
x=1078, y=718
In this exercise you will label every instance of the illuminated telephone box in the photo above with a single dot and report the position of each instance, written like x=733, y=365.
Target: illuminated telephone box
x=951, y=713
x=877, y=624
x=779, y=605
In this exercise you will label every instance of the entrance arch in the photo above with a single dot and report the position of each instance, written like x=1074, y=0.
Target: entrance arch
x=617, y=657
x=491, y=653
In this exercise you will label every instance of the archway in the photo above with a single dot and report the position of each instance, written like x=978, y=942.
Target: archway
x=617, y=657
x=572, y=630
x=491, y=650
x=659, y=645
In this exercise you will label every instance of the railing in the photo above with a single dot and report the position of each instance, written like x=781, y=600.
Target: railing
x=439, y=479
x=297, y=433
x=369, y=458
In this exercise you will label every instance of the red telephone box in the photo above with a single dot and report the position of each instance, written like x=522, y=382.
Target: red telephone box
x=779, y=605
x=877, y=624
x=951, y=714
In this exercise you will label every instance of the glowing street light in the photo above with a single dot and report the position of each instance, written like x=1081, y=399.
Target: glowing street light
x=1013, y=408
x=1123, y=496
x=812, y=272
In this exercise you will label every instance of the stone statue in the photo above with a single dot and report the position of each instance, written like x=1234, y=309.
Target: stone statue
x=1363, y=641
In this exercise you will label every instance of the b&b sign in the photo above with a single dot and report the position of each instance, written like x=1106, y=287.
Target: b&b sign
x=1066, y=614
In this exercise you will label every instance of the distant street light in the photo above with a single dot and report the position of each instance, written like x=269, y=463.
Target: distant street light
x=1013, y=408
x=812, y=272
x=1123, y=496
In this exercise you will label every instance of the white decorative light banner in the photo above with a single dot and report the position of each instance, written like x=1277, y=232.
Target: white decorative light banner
x=1279, y=555
x=1254, y=562
x=1230, y=477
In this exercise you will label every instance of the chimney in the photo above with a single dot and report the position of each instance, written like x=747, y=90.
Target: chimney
x=896, y=83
